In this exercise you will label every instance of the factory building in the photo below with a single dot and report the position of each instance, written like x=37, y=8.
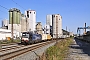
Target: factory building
x=39, y=28
x=31, y=20
x=4, y=34
x=57, y=25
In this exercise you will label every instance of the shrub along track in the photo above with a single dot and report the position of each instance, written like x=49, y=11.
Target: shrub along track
x=59, y=51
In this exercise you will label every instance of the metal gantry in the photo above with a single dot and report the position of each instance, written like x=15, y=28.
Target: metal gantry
x=79, y=28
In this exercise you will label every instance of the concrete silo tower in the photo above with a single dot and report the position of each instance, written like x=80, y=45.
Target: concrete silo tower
x=57, y=25
x=14, y=20
x=31, y=20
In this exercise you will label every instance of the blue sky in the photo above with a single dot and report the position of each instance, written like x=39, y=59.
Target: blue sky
x=74, y=12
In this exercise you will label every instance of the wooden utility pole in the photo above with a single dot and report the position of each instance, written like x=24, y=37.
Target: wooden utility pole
x=12, y=27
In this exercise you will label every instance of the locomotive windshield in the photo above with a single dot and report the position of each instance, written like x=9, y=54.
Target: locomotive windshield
x=25, y=35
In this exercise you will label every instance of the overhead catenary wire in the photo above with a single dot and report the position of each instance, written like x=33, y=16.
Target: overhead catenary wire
x=21, y=6
x=18, y=4
x=4, y=7
x=3, y=11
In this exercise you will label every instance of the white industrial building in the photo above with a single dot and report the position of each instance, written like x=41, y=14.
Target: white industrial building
x=57, y=25
x=31, y=20
x=49, y=20
x=4, y=33
x=16, y=27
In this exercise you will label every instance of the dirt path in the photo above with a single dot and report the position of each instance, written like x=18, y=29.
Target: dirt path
x=79, y=51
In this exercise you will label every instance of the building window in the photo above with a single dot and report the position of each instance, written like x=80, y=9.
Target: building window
x=59, y=19
x=30, y=12
x=34, y=12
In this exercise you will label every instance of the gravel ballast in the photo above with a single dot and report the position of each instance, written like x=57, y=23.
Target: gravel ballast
x=35, y=54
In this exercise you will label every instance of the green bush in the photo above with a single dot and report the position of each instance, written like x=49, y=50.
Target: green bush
x=59, y=50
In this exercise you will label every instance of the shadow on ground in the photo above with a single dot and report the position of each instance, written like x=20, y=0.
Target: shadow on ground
x=83, y=46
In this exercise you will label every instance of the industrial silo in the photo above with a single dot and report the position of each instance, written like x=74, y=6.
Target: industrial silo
x=14, y=16
x=59, y=26
x=54, y=25
x=10, y=16
x=18, y=17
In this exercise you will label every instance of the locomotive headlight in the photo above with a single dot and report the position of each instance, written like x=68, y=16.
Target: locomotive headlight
x=26, y=40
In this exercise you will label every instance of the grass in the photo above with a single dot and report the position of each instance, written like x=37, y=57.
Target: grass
x=59, y=51
x=10, y=41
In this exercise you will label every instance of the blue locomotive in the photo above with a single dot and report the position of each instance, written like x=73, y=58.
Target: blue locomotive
x=29, y=38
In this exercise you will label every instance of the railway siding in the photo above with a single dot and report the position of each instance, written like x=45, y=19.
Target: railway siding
x=35, y=54
x=22, y=48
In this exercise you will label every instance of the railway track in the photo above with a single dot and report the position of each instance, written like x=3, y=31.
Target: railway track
x=16, y=51
x=7, y=47
x=11, y=47
x=9, y=44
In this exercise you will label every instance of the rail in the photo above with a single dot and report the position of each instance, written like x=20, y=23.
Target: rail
x=25, y=49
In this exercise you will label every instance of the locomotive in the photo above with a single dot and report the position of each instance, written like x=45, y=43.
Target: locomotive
x=29, y=38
